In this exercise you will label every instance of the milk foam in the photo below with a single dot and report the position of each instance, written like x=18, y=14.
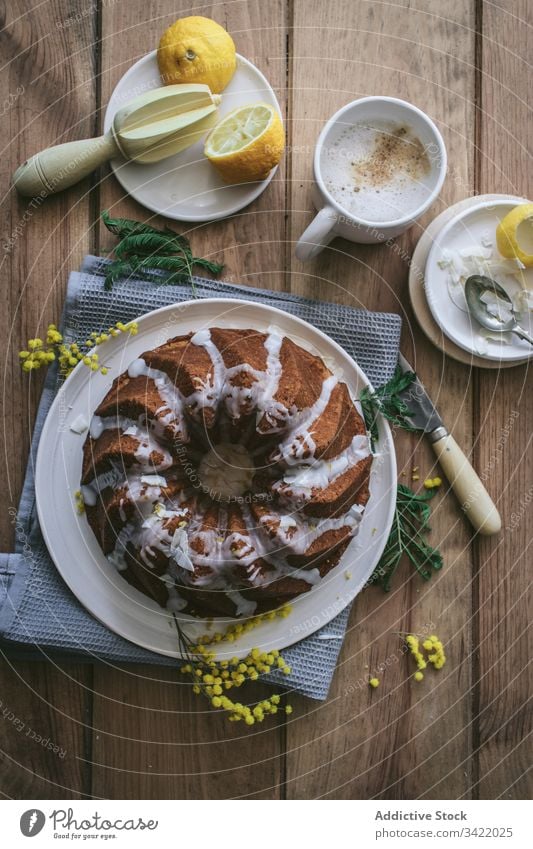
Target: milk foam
x=377, y=171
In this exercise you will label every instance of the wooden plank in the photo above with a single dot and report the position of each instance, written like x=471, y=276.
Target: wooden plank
x=405, y=739
x=195, y=754
x=43, y=240
x=47, y=96
x=154, y=739
x=504, y=413
x=44, y=708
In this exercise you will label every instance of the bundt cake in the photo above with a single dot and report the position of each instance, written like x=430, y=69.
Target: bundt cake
x=226, y=471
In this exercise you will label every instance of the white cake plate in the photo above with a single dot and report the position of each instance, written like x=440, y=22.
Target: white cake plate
x=74, y=549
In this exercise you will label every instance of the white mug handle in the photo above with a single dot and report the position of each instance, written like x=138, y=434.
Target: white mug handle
x=319, y=234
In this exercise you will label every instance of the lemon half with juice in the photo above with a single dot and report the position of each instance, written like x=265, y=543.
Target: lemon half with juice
x=247, y=144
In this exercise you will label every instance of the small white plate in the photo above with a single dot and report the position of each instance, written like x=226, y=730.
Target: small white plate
x=73, y=546
x=466, y=231
x=417, y=292
x=186, y=187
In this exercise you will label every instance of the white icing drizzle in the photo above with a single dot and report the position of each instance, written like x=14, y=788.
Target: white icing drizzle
x=154, y=480
x=302, y=479
x=170, y=395
x=310, y=576
x=151, y=534
x=101, y=423
x=110, y=478
x=208, y=395
x=266, y=406
x=239, y=400
x=300, y=431
x=117, y=475
x=117, y=556
x=146, y=447
x=300, y=535
x=175, y=602
x=244, y=607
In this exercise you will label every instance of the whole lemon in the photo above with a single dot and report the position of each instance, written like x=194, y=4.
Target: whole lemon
x=197, y=50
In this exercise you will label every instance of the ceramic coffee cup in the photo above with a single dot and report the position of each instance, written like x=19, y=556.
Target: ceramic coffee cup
x=333, y=219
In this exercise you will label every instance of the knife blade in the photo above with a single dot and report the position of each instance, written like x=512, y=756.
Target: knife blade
x=422, y=413
x=473, y=497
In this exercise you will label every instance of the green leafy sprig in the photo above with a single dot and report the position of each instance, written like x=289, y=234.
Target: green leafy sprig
x=388, y=401
x=408, y=537
x=144, y=250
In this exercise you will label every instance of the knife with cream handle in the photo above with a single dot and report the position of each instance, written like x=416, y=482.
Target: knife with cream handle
x=473, y=497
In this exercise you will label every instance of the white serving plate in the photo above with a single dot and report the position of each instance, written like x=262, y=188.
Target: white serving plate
x=186, y=187
x=465, y=230
x=74, y=549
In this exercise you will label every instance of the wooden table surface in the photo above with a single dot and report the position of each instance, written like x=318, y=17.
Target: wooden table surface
x=137, y=732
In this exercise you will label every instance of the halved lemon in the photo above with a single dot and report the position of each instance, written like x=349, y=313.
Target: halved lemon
x=247, y=143
x=514, y=234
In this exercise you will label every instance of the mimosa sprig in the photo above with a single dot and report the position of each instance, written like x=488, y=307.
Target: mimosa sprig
x=213, y=678
x=43, y=352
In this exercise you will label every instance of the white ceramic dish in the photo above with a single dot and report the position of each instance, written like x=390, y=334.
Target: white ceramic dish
x=418, y=296
x=74, y=549
x=186, y=187
x=469, y=229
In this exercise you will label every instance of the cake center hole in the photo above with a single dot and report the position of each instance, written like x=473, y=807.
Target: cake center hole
x=226, y=471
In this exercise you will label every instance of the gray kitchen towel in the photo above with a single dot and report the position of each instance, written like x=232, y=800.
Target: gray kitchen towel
x=39, y=616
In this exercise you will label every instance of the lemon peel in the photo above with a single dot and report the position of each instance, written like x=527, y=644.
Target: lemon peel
x=514, y=234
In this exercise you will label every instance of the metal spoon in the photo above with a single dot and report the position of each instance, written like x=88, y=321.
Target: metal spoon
x=475, y=287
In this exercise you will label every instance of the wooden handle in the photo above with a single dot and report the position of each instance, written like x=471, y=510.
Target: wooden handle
x=475, y=500
x=59, y=167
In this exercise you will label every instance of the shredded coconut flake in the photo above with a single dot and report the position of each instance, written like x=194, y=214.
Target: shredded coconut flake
x=79, y=425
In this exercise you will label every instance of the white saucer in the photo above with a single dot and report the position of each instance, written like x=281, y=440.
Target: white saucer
x=418, y=295
x=73, y=546
x=466, y=232
x=186, y=187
